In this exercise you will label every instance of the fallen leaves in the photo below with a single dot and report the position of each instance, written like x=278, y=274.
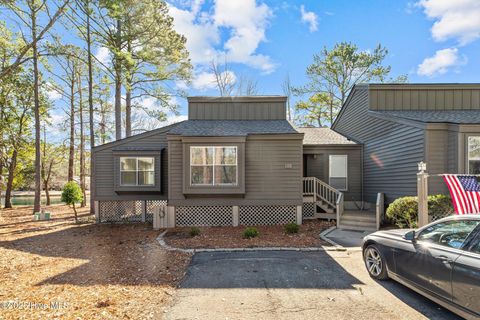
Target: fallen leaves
x=83, y=271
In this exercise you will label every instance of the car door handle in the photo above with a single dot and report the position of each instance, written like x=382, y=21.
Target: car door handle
x=445, y=259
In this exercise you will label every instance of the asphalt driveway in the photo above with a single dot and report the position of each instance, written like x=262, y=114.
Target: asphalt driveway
x=292, y=285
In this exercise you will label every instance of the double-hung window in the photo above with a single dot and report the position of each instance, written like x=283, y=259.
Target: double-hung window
x=213, y=166
x=338, y=177
x=473, y=155
x=137, y=171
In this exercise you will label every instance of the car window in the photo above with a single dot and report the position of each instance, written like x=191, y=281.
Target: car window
x=475, y=247
x=449, y=233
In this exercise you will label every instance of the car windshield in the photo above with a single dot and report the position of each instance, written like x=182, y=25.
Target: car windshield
x=449, y=233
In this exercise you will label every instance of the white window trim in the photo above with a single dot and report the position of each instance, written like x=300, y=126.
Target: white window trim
x=467, y=153
x=136, y=172
x=330, y=170
x=213, y=165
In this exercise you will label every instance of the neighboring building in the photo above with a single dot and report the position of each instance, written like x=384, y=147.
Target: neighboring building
x=238, y=161
x=400, y=125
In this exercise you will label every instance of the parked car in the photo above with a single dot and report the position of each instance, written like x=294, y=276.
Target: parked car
x=440, y=261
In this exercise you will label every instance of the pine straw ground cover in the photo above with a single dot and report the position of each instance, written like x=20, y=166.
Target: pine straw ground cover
x=231, y=237
x=91, y=271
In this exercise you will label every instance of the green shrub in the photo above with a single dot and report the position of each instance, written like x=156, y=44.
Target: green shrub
x=403, y=212
x=250, y=233
x=194, y=231
x=72, y=194
x=292, y=227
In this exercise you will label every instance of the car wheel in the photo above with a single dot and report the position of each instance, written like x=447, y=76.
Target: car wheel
x=375, y=263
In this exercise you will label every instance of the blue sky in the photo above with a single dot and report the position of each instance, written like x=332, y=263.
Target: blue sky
x=430, y=41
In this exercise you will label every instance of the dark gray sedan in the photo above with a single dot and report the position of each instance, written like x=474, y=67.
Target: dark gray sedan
x=440, y=261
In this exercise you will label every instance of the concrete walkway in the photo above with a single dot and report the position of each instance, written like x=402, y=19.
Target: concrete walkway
x=292, y=285
x=346, y=238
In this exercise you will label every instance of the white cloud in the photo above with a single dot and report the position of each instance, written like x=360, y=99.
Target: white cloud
x=454, y=19
x=244, y=22
x=310, y=18
x=441, y=62
x=206, y=80
x=103, y=55
x=52, y=94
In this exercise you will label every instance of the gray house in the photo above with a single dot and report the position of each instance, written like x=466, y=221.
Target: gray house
x=234, y=161
x=238, y=161
x=399, y=125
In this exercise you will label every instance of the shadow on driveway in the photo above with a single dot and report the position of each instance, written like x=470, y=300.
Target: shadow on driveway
x=270, y=269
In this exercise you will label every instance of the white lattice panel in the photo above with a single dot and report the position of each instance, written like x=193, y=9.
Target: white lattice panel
x=120, y=211
x=262, y=215
x=203, y=216
x=308, y=209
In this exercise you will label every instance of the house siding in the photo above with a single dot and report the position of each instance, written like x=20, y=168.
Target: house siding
x=391, y=150
x=106, y=164
x=425, y=97
x=436, y=142
x=273, y=174
x=318, y=166
x=236, y=109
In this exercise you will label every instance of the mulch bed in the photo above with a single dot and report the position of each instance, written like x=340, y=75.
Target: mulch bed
x=91, y=271
x=231, y=237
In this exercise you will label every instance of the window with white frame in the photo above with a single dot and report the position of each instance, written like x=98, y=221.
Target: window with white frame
x=137, y=171
x=473, y=155
x=338, y=174
x=213, y=165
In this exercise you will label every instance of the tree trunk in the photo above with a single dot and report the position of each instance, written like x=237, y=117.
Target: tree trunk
x=90, y=103
x=71, y=154
x=128, y=112
x=118, y=83
x=11, y=175
x=46, y=185
x=82, y=143
x=75, y=212
x=38, y=155
x=128, y=101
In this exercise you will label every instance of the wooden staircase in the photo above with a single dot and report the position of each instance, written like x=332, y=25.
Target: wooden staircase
x=323, y=196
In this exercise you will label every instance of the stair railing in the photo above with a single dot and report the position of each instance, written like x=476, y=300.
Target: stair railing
x=320, y=190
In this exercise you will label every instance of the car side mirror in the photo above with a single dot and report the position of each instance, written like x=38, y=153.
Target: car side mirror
x=410, y=235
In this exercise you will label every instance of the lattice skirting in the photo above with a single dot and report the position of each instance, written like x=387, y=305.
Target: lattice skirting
x=265, y=215
x=204, y=216
x=128, y=210
x=308, y=209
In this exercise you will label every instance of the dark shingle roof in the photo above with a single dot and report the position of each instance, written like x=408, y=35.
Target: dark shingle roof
x=320, y=136
x=215, y=128
x=432, y=116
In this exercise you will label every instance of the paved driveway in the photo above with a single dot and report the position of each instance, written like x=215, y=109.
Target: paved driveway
x=292, y=285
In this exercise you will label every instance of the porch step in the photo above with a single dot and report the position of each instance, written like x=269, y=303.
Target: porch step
x=356, y=227
x=325, y=207
x=358, y=220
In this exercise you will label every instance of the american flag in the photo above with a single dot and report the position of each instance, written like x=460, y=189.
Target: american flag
x=465, y=192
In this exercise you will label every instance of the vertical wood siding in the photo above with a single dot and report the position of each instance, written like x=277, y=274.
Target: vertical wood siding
x=391, y=150
x=417, y=97
x=237, y=111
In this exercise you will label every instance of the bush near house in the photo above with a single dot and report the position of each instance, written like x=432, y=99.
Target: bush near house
x=292, y=228
x=250, y=232
x=194, y=231
x=72, y=194
x=403, y=212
